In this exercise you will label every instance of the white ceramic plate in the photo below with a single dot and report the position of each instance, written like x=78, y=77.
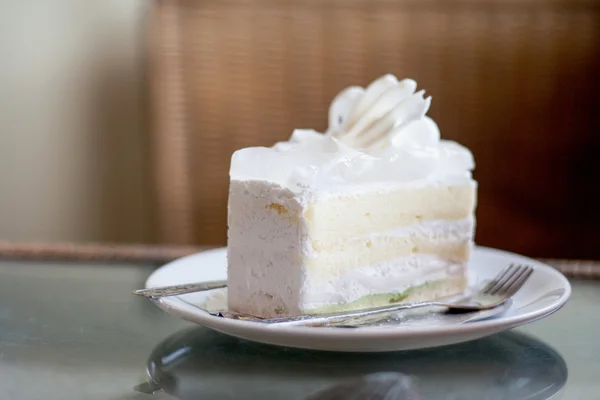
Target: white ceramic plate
x=544, y=293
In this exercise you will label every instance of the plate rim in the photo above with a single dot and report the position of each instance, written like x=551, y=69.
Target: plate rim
x=177, y=306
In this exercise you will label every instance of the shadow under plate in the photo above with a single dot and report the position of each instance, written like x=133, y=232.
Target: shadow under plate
x=201, y=363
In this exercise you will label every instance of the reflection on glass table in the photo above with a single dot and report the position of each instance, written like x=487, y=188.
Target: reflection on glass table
x=200, y=363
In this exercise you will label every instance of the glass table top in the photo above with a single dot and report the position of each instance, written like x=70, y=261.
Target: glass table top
x=74, y=330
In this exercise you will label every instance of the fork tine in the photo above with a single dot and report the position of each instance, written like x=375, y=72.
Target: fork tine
x=523, y=270
x=518, y=284
x=501, y=280
x=510, y=281
x=497, y=279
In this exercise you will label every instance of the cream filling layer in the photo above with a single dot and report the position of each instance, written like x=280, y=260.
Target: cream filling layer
x=446, y=230
x=395, y=276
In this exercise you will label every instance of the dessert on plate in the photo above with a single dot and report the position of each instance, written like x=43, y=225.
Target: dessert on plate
x=376, y=210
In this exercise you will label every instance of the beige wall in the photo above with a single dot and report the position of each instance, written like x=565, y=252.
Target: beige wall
x=73, y=135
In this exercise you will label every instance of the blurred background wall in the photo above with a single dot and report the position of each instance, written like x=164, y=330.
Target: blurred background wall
x=118, y=117
x=73, y=134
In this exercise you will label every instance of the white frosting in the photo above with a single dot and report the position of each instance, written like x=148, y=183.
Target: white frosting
x=395, y=276
x=448, y=231
x=376, y=135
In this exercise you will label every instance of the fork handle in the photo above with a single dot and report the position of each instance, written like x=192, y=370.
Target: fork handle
x=325, y=319
x=177, y=290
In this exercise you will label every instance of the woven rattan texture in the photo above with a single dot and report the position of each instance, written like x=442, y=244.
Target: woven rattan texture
x=510, y=79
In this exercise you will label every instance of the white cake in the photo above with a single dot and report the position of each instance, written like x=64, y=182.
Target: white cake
x=377, y=210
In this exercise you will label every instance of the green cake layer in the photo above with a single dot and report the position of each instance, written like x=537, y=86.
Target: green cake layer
x=382, y=299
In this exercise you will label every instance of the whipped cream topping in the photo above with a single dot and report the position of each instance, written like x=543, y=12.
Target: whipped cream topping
x=378, y=134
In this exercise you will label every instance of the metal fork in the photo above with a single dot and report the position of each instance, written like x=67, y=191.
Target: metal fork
x=492, y=295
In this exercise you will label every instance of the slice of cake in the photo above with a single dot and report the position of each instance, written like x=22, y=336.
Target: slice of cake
x=377, y=210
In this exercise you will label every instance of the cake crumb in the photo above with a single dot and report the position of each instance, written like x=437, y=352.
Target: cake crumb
x=279, y=310
x=278, y=208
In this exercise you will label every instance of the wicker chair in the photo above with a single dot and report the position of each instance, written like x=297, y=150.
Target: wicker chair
x=515, y=80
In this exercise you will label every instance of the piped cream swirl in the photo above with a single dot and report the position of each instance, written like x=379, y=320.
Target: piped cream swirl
x=388, y=112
